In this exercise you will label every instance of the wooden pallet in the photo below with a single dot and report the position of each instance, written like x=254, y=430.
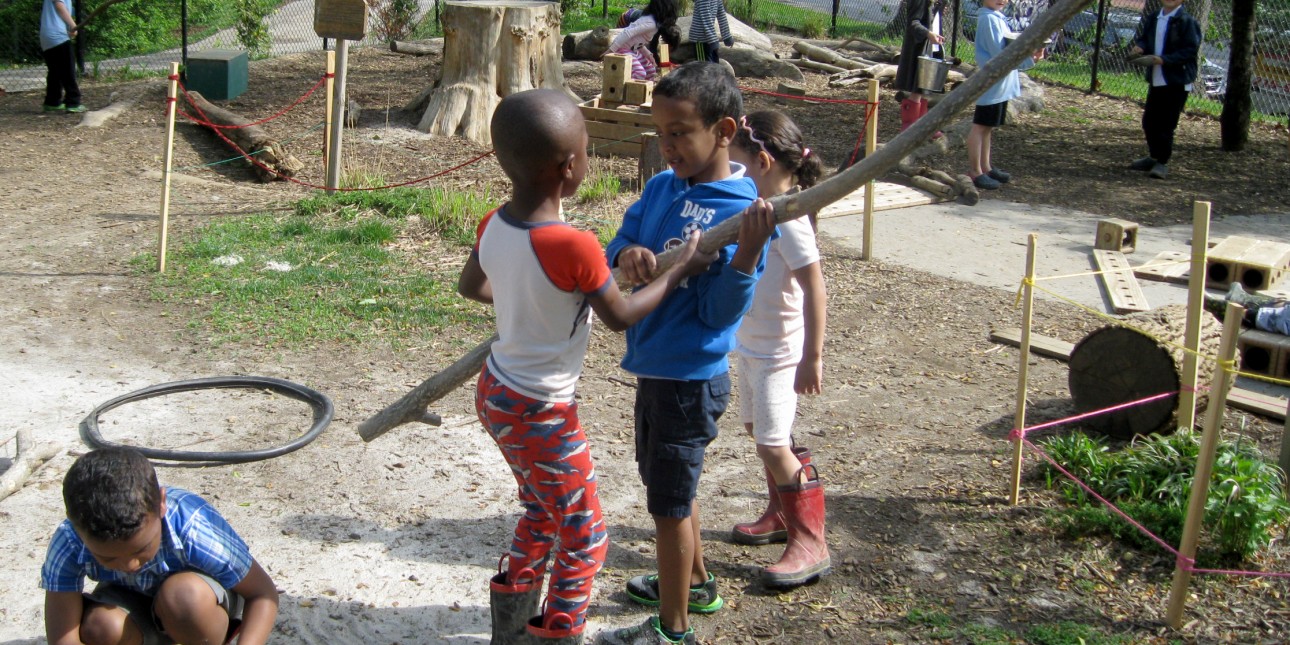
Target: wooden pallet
x=1117, y=275
x=887, y=196
x=615, y=130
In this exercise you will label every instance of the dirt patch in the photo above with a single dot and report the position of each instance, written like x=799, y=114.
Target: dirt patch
x=391, y=542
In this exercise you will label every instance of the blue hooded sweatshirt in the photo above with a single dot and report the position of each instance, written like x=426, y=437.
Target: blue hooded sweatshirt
x=689, y=335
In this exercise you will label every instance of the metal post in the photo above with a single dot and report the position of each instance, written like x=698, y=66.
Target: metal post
x=1097, y=44
x=954, y=33
x=833, y=29
x=183, y=35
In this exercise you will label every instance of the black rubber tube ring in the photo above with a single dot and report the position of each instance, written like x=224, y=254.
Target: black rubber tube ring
x=321, y=405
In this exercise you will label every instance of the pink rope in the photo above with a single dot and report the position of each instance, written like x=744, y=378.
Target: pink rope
x=1015, y=434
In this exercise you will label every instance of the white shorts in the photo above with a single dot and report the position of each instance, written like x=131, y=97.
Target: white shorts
x=767, y=399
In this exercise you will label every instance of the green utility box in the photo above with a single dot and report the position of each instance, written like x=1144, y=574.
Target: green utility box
x=219, y=74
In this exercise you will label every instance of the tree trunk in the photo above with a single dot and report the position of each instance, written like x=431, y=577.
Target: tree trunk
x=491, y=50
x=1234, y=124
x=252, y=140
x=1116, y=364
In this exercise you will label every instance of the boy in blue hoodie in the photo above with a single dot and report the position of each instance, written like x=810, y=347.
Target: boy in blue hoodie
x=678, y=352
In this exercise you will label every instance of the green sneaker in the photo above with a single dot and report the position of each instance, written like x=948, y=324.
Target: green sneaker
x=54, y=108
x=646, y=633
x=703, y=598
x=77, y=109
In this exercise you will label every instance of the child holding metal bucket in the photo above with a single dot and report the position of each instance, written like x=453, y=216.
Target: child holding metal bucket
x=992, y=107
x=922, y=27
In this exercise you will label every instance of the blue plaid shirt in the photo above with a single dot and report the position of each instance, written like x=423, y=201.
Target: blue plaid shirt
x=194, y=537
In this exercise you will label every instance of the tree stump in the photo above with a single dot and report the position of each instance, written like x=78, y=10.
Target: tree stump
x=1116, y=364
x=492, y=49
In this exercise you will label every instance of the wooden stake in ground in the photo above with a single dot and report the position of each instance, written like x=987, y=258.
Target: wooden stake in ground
x=1205, y=464
x=812, y=200
x=27, y=459
x=336, y=126
x=327, y=115
x=1023, y=367
x=172, y=93
x=1195, y=309
x=870, y=188
x=491, y=49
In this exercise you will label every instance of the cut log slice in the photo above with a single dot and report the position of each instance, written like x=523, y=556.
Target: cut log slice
x=1118, y=364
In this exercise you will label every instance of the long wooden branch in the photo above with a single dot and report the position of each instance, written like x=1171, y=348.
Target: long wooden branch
x=27, y=459
x=412, y=407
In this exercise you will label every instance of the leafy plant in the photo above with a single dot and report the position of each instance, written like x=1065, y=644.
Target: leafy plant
x=394, y=19
x=1151, y=481
x=252, y=33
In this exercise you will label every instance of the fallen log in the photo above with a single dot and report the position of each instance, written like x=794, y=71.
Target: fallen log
x=586, y=45
x=968, y=193
x=253, y=140
x=432, y=47
x=27, y=459
x=116, y=107
x=806, y=63
x=412, y=407
x=822, y=55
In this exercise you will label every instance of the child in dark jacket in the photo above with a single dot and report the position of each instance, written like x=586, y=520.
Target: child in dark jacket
x=1169, y=41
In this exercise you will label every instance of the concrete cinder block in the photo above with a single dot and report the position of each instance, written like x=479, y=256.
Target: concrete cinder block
x=1254, y=264
x=1115, y=234
x=1264, y=353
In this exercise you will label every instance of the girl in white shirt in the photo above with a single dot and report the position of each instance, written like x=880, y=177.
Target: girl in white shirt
x=780, y=345
x=641, y=33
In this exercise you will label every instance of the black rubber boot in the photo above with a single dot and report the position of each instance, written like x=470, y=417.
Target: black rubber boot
x=512, y=605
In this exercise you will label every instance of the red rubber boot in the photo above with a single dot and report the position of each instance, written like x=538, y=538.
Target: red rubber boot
x=769, y=528
x=556, y=629
x=910, y=110
x=807, y=555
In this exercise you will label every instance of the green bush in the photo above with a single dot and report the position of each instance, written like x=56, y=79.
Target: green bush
x=1151, y=479
x=252, y=33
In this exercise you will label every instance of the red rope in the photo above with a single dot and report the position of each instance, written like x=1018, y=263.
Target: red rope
x=258, y=164
x=217, y=126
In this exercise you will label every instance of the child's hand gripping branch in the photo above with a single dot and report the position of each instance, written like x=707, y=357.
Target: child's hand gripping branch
x=755, y=229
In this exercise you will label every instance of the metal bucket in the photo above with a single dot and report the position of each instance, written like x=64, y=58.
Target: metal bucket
x=932, y=73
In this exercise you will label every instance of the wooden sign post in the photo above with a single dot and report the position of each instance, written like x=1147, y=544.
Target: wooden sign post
x=344, y=20
x=172, y=94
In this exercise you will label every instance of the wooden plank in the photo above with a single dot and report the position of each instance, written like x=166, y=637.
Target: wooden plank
x=1117, y=275
x=1042, y=345
x=605, y=147
x=628, y=114
x=1167, y=266
x=614, y=131
x=1267, y=405
x=1264, y=404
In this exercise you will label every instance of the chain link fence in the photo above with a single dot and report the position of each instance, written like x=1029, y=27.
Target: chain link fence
x=1090, y=52
x=106, y=48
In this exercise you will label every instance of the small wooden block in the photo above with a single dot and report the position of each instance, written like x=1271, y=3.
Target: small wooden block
x=1168, y=266
x=1042, y=345
x=1117, y=275
x=1255, y=264
x=616, y=73
x=1116, y=235
x=638, y=92
x=664, y=59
